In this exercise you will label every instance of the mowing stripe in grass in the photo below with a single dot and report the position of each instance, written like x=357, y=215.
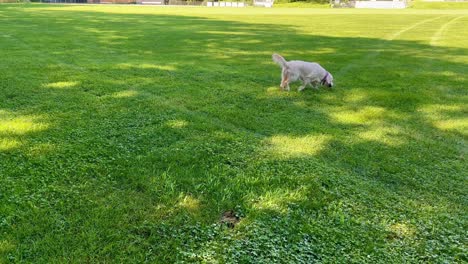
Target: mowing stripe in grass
x=435, y=38
x=397, y=34
x=375, y=53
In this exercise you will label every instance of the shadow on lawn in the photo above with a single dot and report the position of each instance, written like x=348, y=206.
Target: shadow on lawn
x=152, y=136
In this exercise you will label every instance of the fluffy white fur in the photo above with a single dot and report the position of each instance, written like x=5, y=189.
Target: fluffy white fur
x=310, y=73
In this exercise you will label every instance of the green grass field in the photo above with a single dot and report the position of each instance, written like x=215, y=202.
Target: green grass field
x=127, y=131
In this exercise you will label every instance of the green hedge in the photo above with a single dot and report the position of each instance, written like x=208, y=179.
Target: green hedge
x=439, y=5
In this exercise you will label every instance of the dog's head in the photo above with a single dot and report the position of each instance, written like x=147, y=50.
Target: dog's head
x=328, y=80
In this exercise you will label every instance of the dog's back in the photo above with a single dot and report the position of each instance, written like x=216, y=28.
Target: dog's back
x=306, y=69
x=308, y=72
x=302, y=68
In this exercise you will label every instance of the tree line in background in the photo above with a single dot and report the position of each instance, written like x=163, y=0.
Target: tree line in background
x=178, y=1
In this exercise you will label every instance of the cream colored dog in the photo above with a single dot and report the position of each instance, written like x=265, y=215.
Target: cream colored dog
x=310, y=73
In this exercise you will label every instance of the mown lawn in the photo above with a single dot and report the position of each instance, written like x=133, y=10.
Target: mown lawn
x=127, y=131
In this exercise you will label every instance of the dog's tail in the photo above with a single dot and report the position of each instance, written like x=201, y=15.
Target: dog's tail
x=280, y=60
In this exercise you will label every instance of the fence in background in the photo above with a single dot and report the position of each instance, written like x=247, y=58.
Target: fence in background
x=170, y=2
x=225, y=4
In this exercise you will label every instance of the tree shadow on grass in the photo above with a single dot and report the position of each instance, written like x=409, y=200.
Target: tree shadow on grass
x=119, y=138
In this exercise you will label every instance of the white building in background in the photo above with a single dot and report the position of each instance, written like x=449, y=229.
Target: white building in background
x=264, y=3
x=380, y=4
x=385, y=4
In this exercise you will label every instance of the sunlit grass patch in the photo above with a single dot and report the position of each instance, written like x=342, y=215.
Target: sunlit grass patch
x=402, y=230
x=21, y=125
x=7, y=143
x=6, y=246
x=385, y=134
x=447, y=117
x=288, y=147
x=459, y=124
x=177, y=123
x=359, y=115
x=146, y=66
x=61, y=85
x=281, y=200
x=125, y=94
x=190, y=204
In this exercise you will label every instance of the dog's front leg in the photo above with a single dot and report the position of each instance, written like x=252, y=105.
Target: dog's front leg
x=314, y=85
x=302, y=87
